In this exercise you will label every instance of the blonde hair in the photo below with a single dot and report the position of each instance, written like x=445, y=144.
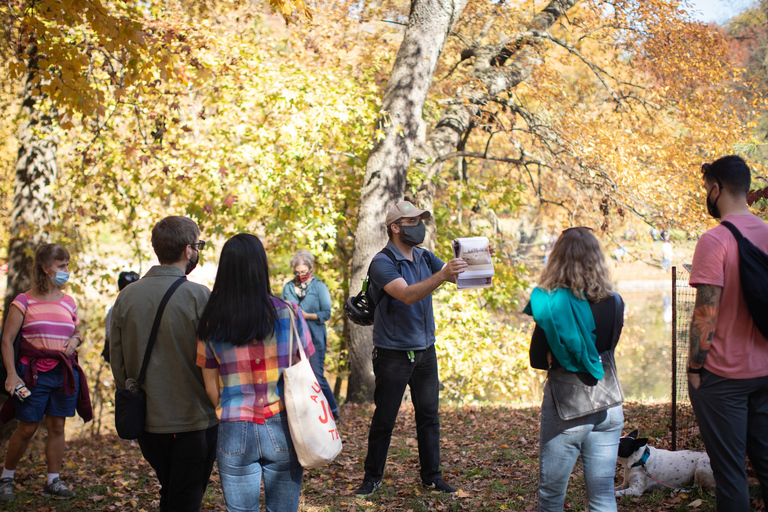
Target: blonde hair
x=578, y=264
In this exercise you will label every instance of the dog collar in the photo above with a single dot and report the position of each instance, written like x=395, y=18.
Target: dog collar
x=643, y=459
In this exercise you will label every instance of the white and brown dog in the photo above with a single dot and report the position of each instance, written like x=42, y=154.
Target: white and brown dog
x=647, y=468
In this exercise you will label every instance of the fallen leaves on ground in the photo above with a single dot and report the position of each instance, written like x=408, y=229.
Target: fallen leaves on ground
x=490, y=453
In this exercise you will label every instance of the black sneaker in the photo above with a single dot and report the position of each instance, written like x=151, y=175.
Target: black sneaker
x=57, y=490
x=439, y=485
x=368, y=487
x=6, y=489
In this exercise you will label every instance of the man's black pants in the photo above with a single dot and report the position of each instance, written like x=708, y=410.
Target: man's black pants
x=733, y=417
x=394, y=371
x=183, y=463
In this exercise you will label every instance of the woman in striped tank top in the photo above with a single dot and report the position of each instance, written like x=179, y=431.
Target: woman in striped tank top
x=47, y=366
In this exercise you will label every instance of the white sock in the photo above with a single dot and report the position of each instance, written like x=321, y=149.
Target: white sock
x=52, y=477
x=8, y=473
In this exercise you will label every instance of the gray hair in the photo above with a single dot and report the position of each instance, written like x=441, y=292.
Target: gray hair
x=303, y=257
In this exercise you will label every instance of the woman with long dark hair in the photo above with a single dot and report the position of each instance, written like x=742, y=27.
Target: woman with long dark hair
x=243, y=349
x=578, y=322
x=47, y=368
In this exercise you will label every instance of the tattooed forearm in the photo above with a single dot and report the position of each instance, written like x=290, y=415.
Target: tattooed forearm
x=703, y=323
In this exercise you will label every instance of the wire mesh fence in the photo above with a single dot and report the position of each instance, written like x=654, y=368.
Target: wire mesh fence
x=683, y=427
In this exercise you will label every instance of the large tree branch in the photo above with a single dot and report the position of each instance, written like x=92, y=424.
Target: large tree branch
x=496, y=74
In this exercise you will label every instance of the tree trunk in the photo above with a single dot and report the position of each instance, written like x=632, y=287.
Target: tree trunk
x=429, y=24
x=33, y=211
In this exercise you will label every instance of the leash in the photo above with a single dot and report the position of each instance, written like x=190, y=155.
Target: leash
x=644, y=459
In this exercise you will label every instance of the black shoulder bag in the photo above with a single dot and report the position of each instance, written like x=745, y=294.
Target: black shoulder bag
x=131, y=401
x=753, y=274
x=16, y=344
x=575, y=398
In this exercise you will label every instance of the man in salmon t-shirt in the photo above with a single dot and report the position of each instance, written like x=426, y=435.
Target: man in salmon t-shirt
x=728, y=361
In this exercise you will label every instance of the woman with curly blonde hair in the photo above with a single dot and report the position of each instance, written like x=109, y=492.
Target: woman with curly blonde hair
x=578, y=323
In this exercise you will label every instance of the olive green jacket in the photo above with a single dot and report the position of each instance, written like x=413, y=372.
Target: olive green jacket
x=176, y=397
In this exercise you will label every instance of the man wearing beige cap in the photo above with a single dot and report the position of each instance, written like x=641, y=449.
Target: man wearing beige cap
x=401, y=284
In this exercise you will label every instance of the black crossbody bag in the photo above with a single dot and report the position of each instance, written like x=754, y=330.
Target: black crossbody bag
x=575, y=398
x=131, y=401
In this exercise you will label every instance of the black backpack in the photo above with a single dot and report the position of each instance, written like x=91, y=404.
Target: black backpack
x=753, y=273
x=361, y=307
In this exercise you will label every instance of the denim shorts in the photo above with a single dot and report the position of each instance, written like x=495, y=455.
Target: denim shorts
x=47, y=397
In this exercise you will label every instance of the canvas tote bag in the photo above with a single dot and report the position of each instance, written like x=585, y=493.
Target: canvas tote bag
x=313, y=429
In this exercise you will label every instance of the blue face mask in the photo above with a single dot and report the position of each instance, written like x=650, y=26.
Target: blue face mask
x=60, y=279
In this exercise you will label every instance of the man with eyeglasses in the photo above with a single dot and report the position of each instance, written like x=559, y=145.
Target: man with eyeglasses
x=404, y=344
x=728, y=360
x=180, y=430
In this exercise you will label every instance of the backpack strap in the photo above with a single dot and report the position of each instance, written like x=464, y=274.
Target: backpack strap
x=388, y=253
x=736, y=233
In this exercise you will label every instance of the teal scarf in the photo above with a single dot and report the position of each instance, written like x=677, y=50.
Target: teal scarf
x=570, y=328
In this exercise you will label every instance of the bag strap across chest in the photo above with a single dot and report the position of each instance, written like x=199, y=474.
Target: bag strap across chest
x=156, y=327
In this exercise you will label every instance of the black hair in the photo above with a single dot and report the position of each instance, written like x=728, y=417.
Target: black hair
x=240, y=308
x=126, y=278
x=730, y=172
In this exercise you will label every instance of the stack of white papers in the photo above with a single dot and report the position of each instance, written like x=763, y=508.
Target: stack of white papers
x=476, y=252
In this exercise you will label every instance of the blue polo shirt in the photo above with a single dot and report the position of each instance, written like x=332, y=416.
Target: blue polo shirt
x=398, y=326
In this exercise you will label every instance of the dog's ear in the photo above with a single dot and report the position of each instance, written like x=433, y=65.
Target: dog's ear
x=639, y=443
x=626, y=447
x=633, y=434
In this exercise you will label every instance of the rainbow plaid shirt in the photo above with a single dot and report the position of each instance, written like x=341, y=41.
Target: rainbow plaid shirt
x=249, y=375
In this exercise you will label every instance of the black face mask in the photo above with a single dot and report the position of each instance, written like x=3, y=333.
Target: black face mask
x=712, y=208
x=192, y=263
x=413, y=235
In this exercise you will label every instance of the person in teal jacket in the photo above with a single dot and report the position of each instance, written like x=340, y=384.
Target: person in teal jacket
x=314, y=299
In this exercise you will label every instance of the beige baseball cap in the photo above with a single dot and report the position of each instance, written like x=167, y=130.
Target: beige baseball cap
x=405, y=209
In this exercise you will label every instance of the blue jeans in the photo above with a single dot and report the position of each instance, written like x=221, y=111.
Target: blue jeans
x=249, y=451
x=596, y=437
x=394, y=371
x=733, y=418
x=317, y=361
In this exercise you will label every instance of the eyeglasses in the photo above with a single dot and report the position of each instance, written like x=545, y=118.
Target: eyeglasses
x=198, y=246
x=301, y=274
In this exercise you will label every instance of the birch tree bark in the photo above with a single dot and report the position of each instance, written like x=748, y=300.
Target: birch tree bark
x=429, y=24
x=36, y=170
x=33, y=211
